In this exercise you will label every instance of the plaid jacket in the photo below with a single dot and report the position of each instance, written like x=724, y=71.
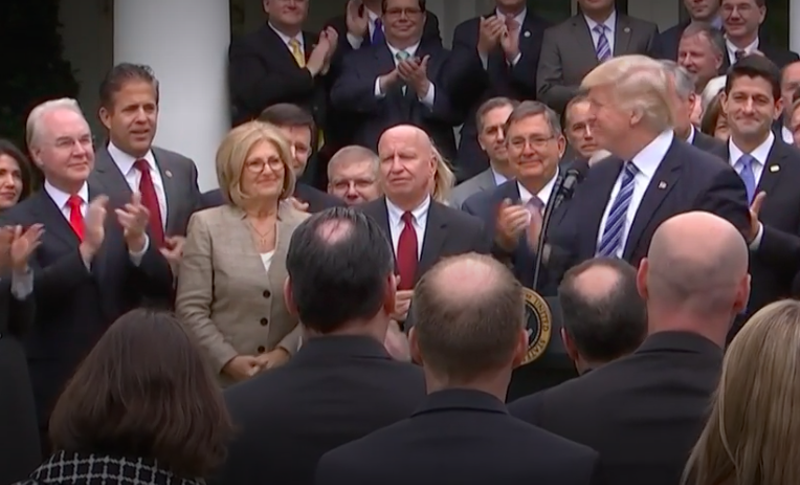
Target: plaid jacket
x=92, y=469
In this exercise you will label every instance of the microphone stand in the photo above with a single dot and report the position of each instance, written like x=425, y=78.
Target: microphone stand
x=548, y=214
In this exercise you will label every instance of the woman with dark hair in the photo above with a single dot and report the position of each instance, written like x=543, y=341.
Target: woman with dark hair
x=16, y=175
x=143, y=409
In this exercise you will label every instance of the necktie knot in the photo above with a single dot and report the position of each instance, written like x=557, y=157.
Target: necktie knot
x=535, y=203
x=407, y=218
x=141, y=165
x=630, y=169
x=512, y=24
x=74, y=202
x=746, y=161
x=600, y=28
x=739, y=54
x=294, y=43
x=402, y=55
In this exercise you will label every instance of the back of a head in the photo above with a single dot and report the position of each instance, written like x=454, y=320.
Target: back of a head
x=469, y=314
x=287, y=115
x=751, y=433
x=696, y=266
x=340, y=266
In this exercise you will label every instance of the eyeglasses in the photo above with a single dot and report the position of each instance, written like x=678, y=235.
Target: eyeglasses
x=535, y=142
x=399, y=12
x=257, y=166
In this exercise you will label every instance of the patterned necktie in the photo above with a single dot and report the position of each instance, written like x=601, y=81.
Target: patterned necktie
x=407, y=248
x=739, y=54
x=611, y=243
x=150, y=200
x=603, y=49
x=513, y=26
x=297, y=52
x=377, y=34
x=535, y=204
x=400, y=57
x=745, y=164
x=74, y=204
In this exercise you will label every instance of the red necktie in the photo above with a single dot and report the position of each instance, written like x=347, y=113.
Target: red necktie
x=75, y=217
x=407, y=253
x=150, y=200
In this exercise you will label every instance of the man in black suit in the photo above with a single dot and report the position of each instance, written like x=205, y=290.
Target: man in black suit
x=398, y=82
x=88, y=269
x=694, y=281
x=650, y=177
x=742, y=21
x=684, y=99
x=422, y=231
x=342, y=384
x=470, y=334
x=769, y=169
x=297, y=126
x=700, y=11
x=701, y=51
x=493, y=56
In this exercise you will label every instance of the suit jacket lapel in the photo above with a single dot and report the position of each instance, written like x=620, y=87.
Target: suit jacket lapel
x=53, y=219
x=622, y=35
x=771, y=174
x=486, y=180
x=583, y=37
x=435, y=234
x=380, y=213
x=273, y=40
x=660, y=185
x=110, y=175
x=599, y=190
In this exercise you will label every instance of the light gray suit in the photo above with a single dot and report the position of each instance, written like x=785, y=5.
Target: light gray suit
x=568, y=54
x=479, y=183
x=180, y=185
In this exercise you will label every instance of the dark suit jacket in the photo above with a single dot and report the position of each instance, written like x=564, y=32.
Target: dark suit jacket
x=643, y=413
x=448, y=232
x=568, y=54
x=470, y=84
x=688, y=179
x=774, y=264
x=262, y=72
x=354, y=93
x=316, y=199
x=430, y=32
x=460, y=436
x=707, y=143
x=178, y=173
x=20, y=451
x=670, y=39
x=336, y=389
x=780, y=56
x=74, y=306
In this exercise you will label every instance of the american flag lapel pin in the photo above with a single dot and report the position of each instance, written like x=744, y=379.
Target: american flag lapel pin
x=662, y=185
x=527, y=34
x=168, y=174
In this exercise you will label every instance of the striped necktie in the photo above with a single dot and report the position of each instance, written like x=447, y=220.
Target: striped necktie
x=603, y=49
x=611, y=243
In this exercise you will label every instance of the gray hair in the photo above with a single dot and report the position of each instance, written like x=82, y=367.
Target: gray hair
x=712, y=35
x=353, y=154
x=527, y=109
x=685, y=82
x=33, y=124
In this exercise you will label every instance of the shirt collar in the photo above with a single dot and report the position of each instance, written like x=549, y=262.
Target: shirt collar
x=372, y=15
x=760, y=154
x=747, y=50
x=692, y=134
x=716, y=22
x=60, y=198
x=420, y=213
x=499, y=178
x=285, y=38
x=610, y=22
x=520, y=19
x=125, y=162
x=410, y=50
x=787, y=135
x=543, y=195
x=650, y=157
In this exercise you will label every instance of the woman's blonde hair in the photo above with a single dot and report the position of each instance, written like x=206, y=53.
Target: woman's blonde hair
x=751, y=437
x=443, y=179
x=233, y=152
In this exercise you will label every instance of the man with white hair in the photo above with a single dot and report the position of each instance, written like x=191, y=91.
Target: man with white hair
x=353, y=175
x=651, y=176
x=86, y=271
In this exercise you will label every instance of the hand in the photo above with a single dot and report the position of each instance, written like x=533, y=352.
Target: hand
x=402, y=303
x=415, y=73
x=6, y=239
x=134, y=218
x=319, y=55
x=511, y=221
x=94, y=232
x=173, y=251
x=388, y=80
x=396, y=343
x=509, y=40
x=534, y=229
x=273, y=359
x=489, y=33
x=755, y=209
x=24, y=244
x=298, y=204
x=332, y=37
x=242, y=367
x=357, y=19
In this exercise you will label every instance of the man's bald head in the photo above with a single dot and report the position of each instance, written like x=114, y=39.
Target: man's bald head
x=697, y=263
x=469, y=314
x=407, y=165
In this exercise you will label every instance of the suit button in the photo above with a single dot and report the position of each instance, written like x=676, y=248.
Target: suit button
x=261, y=349
x=264, y=322
x=266, y=294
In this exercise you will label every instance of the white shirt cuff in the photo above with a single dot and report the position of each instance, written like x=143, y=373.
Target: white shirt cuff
x=430, y=97
x=22, y=284
x=484, y=61
x=355, y=42
x=516, y=59
x=756, y=243
x=136, y=258
x=378, y=92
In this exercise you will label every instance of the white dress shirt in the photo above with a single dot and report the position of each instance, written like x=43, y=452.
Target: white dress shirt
x=611, y=26
x=692, y=134
x=787, y=136
x=133, y=176
x=286, y=39
x=647, y=162
x=732, y=49
x=519, y=19
x=419, y=220
x=760, y=155
x=543, y=195
x=429, y=98
x=355, y=42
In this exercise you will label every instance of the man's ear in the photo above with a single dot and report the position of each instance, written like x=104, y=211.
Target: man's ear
x=288, y=297
x=413, y=346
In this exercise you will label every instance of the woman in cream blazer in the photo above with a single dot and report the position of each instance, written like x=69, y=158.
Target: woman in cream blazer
x=230, y=290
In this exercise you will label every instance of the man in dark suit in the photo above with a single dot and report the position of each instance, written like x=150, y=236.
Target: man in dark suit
x=694, y=281
x=297, y=126
x=742, y=21
x=577, y=116
x=130, y=163
x=650, y=177
x=281, y=63
x=573, y=48
x=342, y=384
x=421, y=230
x=701, y=51
x=398, y=82
x=492, y=56
x=88, y=269
x=769, y=169
x=467, y=356
x=700, y=11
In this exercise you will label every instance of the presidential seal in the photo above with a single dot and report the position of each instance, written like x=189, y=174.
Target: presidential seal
x=540, y=325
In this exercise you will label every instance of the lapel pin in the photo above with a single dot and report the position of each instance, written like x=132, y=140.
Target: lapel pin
x=527, y=33
x=774, y=168
x=627, y=30
x=662, y=185
x=168, y=174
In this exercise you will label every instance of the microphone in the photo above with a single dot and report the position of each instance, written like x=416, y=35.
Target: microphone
x=563, y=191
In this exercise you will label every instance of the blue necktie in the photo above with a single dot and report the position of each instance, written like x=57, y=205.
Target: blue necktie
x=745, y=165
x=603, y=49
x=611, y=242
x=377, y=34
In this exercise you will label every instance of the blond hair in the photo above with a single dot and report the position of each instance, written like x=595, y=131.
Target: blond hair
x=233, y=152
x=751, y=435
x=639, y=84
x=443, y=179
x=33, y=123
